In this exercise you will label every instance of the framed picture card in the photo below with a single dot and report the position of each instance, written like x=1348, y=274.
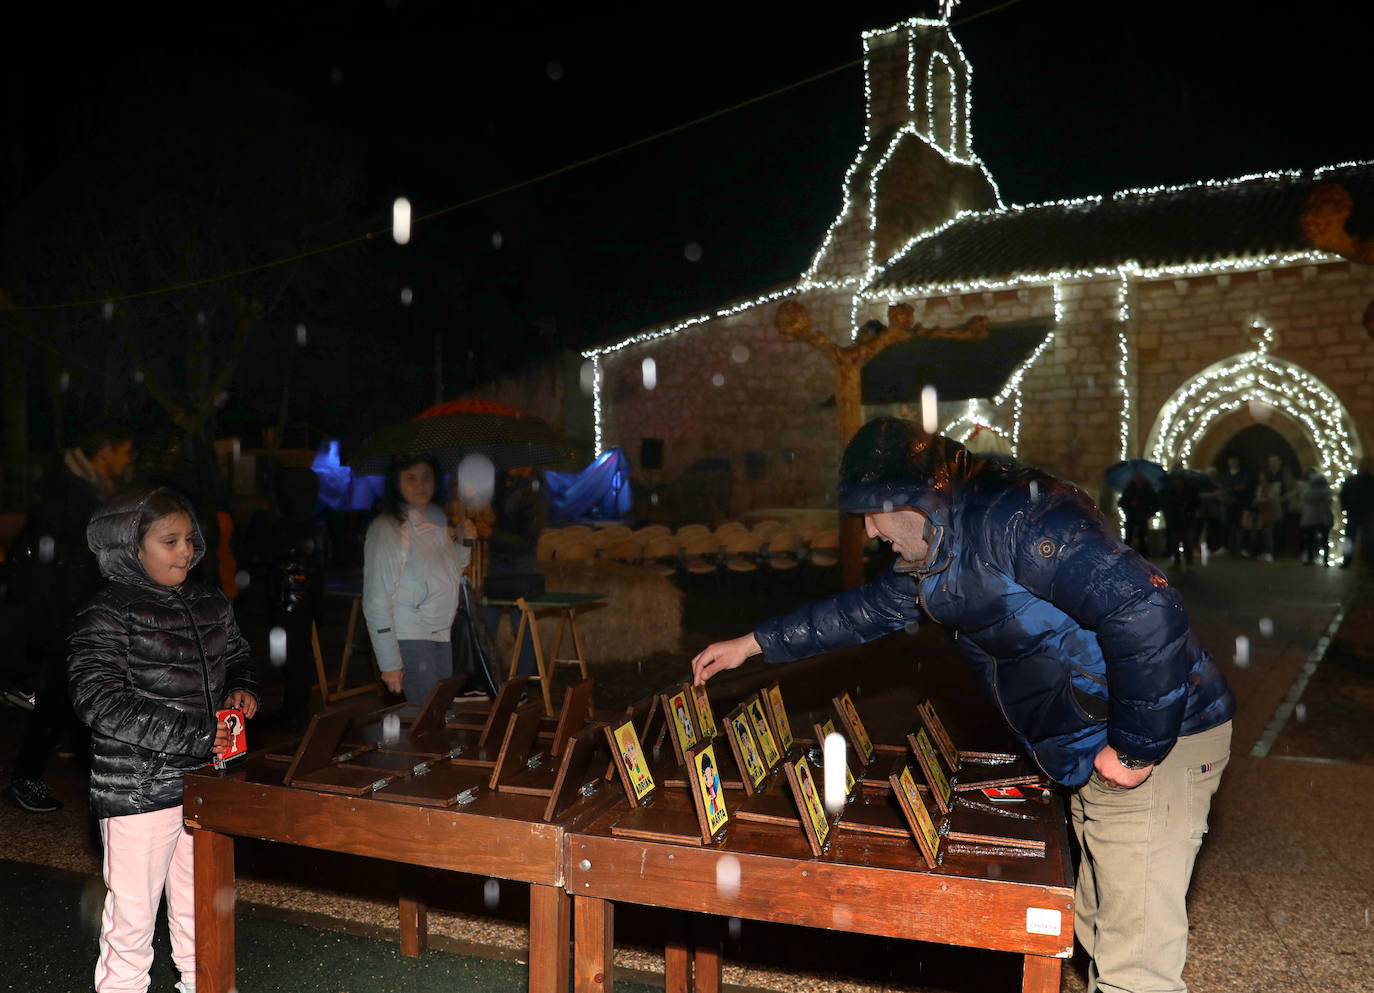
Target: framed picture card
x=763, y=734
x=706, y=720
x=917, y=817
x=708, y=795
x=930, y=768
x=630, y=762
x=745, y=749
x=823, y=732
x=936, y=728
x=808, y=797
x=777, y=716
x=677, y=708
x=854, y=727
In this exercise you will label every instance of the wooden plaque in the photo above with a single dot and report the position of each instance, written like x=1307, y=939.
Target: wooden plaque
x=517, y=744
x=763, y=734
x=777, y=716
x=939, y=735
x=930, y=768
x=630, y=762
x=572, y=783
x=572, y=716
x=708, y=793
x=501, y=709
x=677, y=710
x=854, y=728
x=914, y=809
x=429, y=722
x=320, y=742
x=706, y=718
x=823, y=731
x=746, y=750
x=812, y=812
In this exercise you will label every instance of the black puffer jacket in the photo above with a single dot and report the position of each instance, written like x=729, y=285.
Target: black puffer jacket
x=148, y=665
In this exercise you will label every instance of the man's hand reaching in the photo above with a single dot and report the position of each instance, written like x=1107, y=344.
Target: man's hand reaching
x=723, y=655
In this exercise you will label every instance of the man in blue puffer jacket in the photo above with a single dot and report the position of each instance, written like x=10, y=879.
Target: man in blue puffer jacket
x=1080, y=643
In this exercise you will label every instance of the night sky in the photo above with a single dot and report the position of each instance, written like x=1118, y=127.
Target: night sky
x=444, y=105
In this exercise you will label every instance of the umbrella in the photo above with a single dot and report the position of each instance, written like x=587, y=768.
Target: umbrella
x=1124, y=471
x=1195, y=478
x=507, y=436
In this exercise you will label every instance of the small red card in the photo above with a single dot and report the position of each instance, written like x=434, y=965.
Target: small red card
x=238, y=737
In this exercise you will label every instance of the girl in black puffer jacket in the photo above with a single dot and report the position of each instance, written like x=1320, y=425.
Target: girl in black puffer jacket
x=150, y=658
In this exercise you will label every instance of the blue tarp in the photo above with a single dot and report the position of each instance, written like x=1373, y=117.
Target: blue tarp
x=599, y=492
x=339, y=488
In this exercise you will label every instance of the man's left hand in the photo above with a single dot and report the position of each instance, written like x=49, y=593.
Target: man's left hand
x=1115, y=774
x=242, y=700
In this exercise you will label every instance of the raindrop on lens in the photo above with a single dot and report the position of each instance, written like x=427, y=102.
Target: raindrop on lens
x=586, y=377
x=554, y=70
x=336, y=76
x=1242, y=651
x=138, y=375
x=63, y=381
x=496, y=240
x=224, y=901
x=406, y=296
x=930, y=417
x=47, y=547
x=727, y=877
x=1034, y=491
x=842, y=917
x=276, y=646
x=1266, y=627
x=200, y=318
x=92, y=904
x=691, y=251
x=491, y=894
x=300, y=335
x=391, y=728
x=834, y=774
x=740, y=354
x=653, y=498
x=1260, y=410
x=732, y=928
x=718, y=379
x=108, y=310
x=887, y=506
x=400, y=220
x=648, y=372
x=476, y=479
x=242, y=579
x=911, y=627
x=1300, y=712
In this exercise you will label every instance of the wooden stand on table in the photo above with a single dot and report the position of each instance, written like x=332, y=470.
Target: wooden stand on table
x=566, y=605
x=336, y=689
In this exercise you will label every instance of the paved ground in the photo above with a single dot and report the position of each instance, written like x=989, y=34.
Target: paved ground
x=1281, y=899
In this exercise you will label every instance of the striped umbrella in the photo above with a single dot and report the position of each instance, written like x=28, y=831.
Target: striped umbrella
x=506, y=435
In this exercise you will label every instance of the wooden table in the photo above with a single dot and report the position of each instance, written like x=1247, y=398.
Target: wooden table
x=863, y=883
x=565, y=606
x=497, y=834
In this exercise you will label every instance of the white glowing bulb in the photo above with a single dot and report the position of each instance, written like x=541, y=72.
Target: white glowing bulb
x=400, y=221
x=930, y=415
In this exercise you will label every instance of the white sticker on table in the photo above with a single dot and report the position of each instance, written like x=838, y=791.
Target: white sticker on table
x=1040, y=920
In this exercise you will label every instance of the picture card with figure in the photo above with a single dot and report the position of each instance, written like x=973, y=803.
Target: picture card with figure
x=777, y=716
x=682, y=731
x=854, y=728
x=763, y=733
x=807, y=795
x=930, y=768
x=706, y=718
x=631, y=763
x=914, y=810
x=823, y=731
x=936, y=728
x=746, y=750
x=708, y=793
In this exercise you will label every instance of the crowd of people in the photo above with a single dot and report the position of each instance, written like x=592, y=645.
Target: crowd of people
x=1267, y=513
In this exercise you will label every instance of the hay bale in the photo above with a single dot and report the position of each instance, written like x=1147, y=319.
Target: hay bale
x=642, y=616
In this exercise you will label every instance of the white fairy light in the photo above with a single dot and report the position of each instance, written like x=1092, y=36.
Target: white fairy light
x=400, y=221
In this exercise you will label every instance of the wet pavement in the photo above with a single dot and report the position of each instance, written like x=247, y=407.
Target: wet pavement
x=1281, y=899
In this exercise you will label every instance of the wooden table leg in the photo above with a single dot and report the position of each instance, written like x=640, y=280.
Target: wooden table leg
x=528, y=620
x=594, y=945
x=550, y=932
x=214, y=886
x=677, y=955
x=577, y=642
x=706, y=954
x=1041, y=974
x=414, y=926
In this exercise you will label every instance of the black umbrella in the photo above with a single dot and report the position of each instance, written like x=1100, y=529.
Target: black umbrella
x=1124, y=471
x=509, y=442
x=1195, y=478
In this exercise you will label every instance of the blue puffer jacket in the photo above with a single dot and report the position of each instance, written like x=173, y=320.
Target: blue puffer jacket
x=1077, y=640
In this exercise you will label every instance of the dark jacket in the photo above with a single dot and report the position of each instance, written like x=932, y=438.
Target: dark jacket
x=1077, y=640
x=148, y=665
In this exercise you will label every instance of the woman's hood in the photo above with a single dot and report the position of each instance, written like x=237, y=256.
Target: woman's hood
x=112, y=534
